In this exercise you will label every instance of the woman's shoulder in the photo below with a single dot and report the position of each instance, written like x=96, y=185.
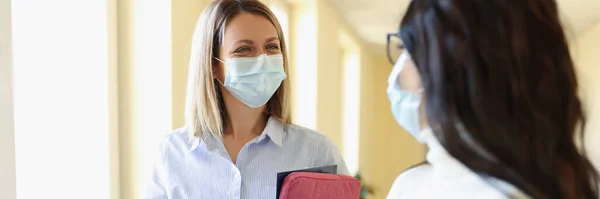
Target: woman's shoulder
x=302, y=134
x=419, y=182
x=316, y=145
x=176, y=136
x=409, y=181
x=413, y=176
x=176, y=140
x=299, y=137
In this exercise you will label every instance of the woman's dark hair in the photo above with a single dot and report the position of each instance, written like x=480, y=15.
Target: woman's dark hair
x=501, y=91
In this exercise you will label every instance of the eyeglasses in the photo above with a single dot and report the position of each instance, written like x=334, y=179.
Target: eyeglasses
x=394, y=47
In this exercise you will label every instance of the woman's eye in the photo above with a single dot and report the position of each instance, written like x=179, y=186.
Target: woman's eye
x=242, y=50
x=273, y=47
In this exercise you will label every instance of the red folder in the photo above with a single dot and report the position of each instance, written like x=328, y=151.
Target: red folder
x=303, y=185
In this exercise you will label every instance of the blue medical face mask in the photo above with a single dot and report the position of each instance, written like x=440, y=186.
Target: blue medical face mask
x=254, y=80
x=405, y=104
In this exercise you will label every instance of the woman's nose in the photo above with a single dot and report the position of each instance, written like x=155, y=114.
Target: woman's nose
x=260, y=52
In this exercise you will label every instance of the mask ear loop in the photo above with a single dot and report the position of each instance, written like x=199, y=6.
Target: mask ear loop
x=219, y=94
x=219, y=60
x=394, y=75
x=216, y=77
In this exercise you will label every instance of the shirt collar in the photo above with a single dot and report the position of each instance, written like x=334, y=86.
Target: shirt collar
x=273, y=130
x=194, y=142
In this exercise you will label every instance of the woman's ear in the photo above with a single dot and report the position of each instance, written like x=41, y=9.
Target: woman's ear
x=424, y=123
x=410, y=79
x=218, y=70
x=215, y=69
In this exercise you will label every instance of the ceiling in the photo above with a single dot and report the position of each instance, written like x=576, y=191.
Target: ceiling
x=372, y=19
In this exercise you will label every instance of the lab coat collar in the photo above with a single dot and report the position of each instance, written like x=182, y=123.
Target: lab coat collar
x=445, y=167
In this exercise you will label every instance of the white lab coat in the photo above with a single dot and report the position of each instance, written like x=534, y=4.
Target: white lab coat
x=446, y=177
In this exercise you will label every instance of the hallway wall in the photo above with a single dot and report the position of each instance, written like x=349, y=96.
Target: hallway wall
x=586, y=53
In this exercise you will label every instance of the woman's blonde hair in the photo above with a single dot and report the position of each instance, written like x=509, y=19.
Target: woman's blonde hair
x=205, y=110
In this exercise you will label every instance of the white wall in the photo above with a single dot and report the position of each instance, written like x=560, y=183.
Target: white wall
x=61, y=103
x=586, y=53
x=7, y=136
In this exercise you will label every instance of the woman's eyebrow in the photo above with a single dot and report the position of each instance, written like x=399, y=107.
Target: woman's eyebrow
x=271, y=39
x=246, y=41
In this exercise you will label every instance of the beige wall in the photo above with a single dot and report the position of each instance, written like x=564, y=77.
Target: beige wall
x=374, y=156
x=330, y=72
x=185, y=14
x=7, y=136
x=113, y=100
x=127, y=125
x=586, y=53
x=303, y=66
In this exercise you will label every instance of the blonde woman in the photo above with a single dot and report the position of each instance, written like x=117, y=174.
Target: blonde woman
x=238, y=133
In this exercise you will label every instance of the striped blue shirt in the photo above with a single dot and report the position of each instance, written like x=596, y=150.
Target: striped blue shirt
x=201, y=167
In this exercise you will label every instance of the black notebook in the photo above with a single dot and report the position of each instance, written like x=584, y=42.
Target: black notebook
x=332, y=169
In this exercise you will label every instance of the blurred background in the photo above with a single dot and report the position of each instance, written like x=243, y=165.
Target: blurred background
x=89, y=87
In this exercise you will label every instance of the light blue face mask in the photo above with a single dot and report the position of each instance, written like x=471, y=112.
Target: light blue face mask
x=254, y=80
x=405, y=104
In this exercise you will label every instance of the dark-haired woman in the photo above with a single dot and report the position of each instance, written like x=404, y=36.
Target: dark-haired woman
x=490, y=87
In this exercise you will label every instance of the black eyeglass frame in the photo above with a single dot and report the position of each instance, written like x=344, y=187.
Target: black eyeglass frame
x=388, y=47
